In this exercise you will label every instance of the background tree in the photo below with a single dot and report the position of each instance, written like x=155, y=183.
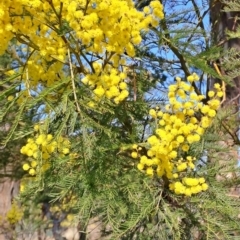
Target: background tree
x=224, y=28
x=11, y=160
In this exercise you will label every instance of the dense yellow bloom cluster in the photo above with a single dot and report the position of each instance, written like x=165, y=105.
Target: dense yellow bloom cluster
x=15, y=214
x=109, y=83
x=177, y=128
x=96, y=33
x=39, y=150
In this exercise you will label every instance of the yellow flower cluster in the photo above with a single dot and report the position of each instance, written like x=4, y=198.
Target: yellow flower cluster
x=14, y=215
x=97, y=33
x=24, y=182
x=68, y=221
x=65, y=205
x=109, y=83
x=181, y=123
x=40, y=148
x=189, y=186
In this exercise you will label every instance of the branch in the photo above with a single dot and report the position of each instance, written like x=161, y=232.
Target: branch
x=177, y=53
x=182, y=62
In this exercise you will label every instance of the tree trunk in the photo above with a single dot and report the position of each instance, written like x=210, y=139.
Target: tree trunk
x=9, y=185
x=8, y=189
x=222, y=22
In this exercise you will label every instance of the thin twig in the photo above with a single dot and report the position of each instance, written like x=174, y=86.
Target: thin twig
x=233, y=195
x=223, y=83
x=27, y=82
x=232, y=134
x=235, y=98
x=73, y=82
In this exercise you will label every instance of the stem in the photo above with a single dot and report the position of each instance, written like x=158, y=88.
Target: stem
x=73, y=83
